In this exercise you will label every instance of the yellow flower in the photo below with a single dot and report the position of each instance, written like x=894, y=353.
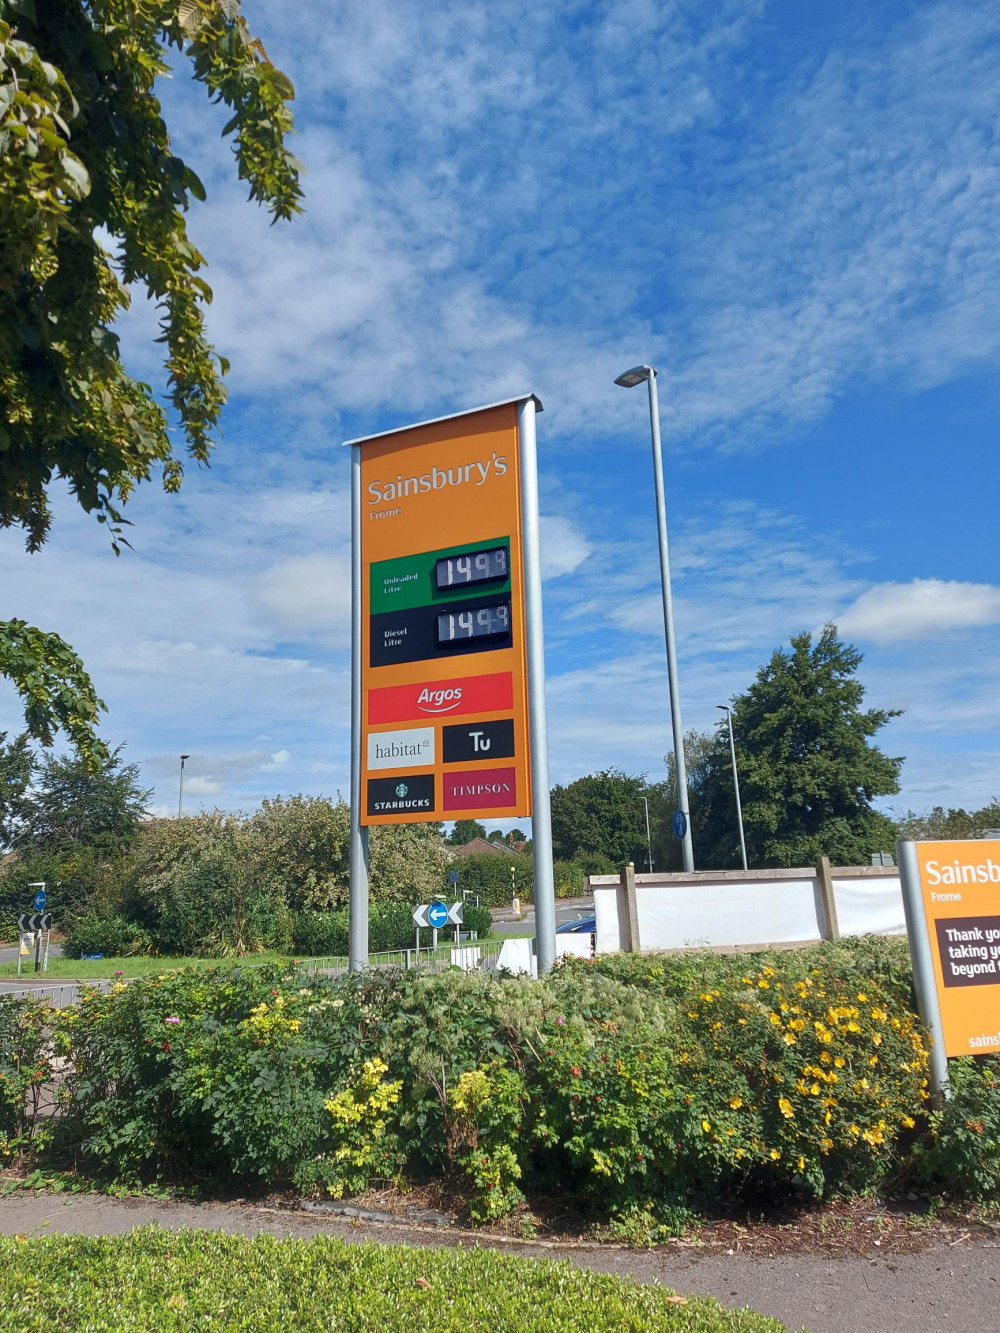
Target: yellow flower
x=908, y=1122
x=775, y=1019
x=788, y=1038
x=825, y=1144
x=840, y=1062
x=706, y=1126
x=736, y=1103
x=863, y=998
x=802, y=1163
x=775, y=1154
x=785, y=1107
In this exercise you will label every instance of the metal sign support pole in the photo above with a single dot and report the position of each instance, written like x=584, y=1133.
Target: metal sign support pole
x=358, y=900
x=924, y=982
x=541, y=818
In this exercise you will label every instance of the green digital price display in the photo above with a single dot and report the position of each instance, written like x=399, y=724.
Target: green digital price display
x=459, y=571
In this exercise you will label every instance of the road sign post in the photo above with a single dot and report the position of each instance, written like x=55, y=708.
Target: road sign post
x=448, y=689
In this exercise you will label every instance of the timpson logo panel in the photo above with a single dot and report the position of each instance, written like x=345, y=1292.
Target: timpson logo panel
x=478, y=789
x=458, y=483
x=960, y=886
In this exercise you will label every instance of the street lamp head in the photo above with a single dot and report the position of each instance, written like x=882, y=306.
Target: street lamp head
x=637, y=375
x=725, y=707
x=185, y=756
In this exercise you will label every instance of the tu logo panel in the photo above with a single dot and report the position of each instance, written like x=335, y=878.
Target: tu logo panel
x=444, y=690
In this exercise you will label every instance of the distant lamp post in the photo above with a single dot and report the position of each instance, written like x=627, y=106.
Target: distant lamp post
x=649, y=843
x=180, y=790
x=629, y=380
x=736, y=780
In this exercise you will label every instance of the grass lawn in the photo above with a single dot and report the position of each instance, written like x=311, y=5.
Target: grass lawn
x=97, y=968
x=153, y=1279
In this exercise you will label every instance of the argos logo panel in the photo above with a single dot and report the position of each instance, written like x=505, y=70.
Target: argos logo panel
x=441, y=698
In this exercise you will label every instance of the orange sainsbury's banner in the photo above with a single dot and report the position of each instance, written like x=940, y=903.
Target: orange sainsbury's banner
x=960, y=892
x=443, y=674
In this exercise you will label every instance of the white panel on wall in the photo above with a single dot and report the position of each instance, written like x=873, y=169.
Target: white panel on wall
x=867, y=905
x=728, y=913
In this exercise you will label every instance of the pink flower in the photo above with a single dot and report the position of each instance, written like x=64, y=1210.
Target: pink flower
x=172, y=1019
x=561, y=1021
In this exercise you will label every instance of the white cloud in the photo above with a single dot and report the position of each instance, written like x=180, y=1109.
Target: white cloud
x=310, y=594
x=564, y=547
x=920, y=609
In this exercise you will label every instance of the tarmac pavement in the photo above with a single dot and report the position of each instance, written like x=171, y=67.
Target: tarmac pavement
x=950, y=1286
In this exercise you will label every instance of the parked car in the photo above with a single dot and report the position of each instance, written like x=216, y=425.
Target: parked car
x=584, y=925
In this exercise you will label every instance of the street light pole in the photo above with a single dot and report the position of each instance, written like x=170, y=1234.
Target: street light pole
x=180, y=790
x=736, y=781
x=629, y=380
x=649, y=844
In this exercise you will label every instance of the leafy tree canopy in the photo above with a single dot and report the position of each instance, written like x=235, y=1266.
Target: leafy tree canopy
x=72, y=802
x=85, y=155
x=464, y=831
x=949, y=825
x=808, y=769
x=600, y=816
x=17, y=765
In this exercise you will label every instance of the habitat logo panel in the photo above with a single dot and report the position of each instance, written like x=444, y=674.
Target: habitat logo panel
x=412, y=748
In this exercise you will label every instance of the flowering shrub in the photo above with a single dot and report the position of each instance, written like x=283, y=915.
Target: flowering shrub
x=484, y=1112
x=362, y=1144
x=632, y=1093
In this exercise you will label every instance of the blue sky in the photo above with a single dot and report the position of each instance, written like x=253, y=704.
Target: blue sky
x=791, y=210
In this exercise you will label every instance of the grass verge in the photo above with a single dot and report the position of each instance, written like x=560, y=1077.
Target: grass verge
x=171, y=1280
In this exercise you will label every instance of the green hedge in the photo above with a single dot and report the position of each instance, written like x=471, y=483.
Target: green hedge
x=390, y=926
x=159, y=1280
x=487, y=874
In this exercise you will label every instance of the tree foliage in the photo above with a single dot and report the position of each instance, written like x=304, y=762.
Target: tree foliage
x=943, y=825
x=85, y=155
x=464, y=831
x=808, y=769
x=600, y=817
x=72, y=803
x=17, y=764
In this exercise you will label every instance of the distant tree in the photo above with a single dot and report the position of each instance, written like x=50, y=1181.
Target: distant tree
x=17, y=766
x=600, y=816
x=517, y=835
x=808, y=769
x=951, y=825
x=699, y=751
x=73, y=802
x=464, y=831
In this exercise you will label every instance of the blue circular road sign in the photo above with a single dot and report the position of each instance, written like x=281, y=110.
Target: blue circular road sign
x=437, y=915
x=39, y=900
x=680, y=824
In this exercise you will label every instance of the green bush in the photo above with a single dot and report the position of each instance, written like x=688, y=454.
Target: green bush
x=113, y=936
x=487, y=875
x=24, y=1069
x=963, y=1153
x=390, y=926
x=158, y=1281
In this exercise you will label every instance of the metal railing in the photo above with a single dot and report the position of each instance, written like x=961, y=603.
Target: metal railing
x=470, y=955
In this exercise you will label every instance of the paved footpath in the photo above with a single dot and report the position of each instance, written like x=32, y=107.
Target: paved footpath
x=944, y=1288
